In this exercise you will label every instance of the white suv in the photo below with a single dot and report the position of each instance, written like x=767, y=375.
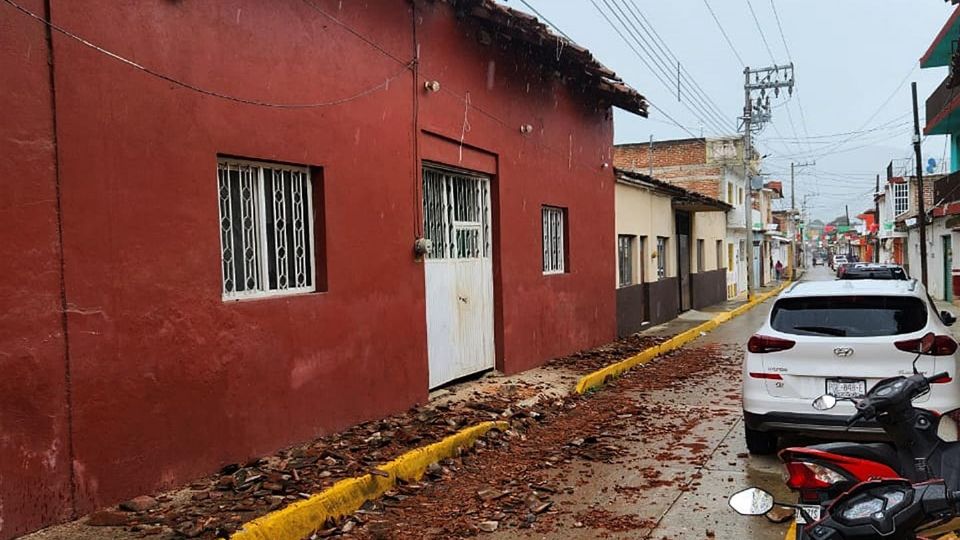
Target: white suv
x=840, y=338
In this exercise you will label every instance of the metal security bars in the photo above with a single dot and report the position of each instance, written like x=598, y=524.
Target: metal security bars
x=456, y=214
x=266, y=229
x=661, y=257
x=625, y=259
x=554, y=254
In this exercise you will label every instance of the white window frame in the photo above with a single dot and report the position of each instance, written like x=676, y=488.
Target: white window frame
x=553, y=221
x=625, y=257
x=258, y=236
x=901, y=194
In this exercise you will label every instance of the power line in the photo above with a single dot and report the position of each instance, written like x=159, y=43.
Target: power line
x=665, y=67
x=560, y=31
x=546, y=20
x=656, y=73
x=880, y=127
x=780, y=27
x=762, y=35
x=667, y=52
x=198, y=89
x=724, y=32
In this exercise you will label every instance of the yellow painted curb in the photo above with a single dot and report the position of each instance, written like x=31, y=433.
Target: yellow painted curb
x=791, y=532
x=601, y=376
x=301, y=519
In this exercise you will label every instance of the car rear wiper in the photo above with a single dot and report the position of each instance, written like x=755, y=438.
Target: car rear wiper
x=822, y=330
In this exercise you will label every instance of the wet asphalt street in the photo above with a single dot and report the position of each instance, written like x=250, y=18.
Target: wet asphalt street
x=694, y=504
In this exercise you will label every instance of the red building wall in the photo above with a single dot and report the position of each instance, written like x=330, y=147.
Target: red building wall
x=34, y=434
x=168, y=382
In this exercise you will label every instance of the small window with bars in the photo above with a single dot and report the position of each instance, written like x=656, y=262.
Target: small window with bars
x=266, y=229
x=554, y=241
x=701, y=256
x=661, y=257
x=719, y=254
x=625, y=258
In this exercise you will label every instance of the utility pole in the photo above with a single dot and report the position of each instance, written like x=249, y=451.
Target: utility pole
x=922, y=217
x=793, y=213
x=876, y=214
x=755, y=115
x=846, y=208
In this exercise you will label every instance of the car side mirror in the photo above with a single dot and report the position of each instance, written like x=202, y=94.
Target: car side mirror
x=947, y=318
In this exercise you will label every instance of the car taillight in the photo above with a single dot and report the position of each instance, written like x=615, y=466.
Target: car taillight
x=762, y=375
x=942, y=346
x=805, y=475
x=767, y=344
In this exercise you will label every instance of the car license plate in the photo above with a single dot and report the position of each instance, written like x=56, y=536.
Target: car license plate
x=812, y=511
x=846, y=388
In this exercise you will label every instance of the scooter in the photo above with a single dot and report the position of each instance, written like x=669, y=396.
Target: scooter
x=820, y=473
x=893, y=509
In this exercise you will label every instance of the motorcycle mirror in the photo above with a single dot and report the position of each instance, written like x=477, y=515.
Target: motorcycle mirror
x=825, y=402
x=751, y=502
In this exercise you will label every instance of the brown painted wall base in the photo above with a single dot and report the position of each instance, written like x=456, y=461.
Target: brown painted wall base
x=631, y=309
x=664, y=300
x=708, y=288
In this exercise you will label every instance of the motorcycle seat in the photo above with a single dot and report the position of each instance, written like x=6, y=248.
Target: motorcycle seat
x=878, y=452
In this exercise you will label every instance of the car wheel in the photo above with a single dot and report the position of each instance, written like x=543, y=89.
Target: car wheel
x=760, y=442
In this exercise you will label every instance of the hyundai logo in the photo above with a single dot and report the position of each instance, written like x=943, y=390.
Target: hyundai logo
x=843, y=352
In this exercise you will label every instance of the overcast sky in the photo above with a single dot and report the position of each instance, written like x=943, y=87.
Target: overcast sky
x=851, y=56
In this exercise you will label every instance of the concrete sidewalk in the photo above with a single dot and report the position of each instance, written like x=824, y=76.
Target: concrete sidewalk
x=692, y=318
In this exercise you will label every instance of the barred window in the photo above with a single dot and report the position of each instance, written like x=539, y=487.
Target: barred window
x=554, y=243
x=625, y=258
x=701, y=256
x=661, y=257
x=266, y=229
x=901, y=198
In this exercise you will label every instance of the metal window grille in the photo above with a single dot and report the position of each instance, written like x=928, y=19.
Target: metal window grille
x=456, y=214
x=266, y=229
x=701, y=256
x=661, y=257
x=553, y=241
x=625, y=259
x=901, y=198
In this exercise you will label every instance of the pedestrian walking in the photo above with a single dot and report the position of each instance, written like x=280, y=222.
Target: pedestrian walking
x=779, y=268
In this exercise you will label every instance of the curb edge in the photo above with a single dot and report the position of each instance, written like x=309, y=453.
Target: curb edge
x=601, y=376
x=300, y=519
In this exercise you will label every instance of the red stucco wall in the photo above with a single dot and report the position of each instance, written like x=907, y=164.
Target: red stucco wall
x=34, y=436
x=560, y=164
x=168, y=382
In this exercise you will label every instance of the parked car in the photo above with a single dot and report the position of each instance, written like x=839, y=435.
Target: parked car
x=874, y=271
x=841, y=338
x=837, y=260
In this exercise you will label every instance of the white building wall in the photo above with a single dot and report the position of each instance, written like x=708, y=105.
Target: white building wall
x=936, y=231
